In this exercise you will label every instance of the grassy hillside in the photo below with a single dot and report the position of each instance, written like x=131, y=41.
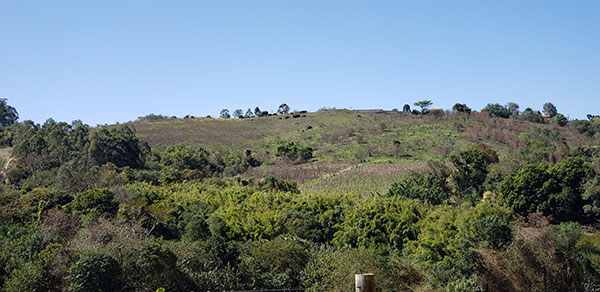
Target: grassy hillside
x=361, y=151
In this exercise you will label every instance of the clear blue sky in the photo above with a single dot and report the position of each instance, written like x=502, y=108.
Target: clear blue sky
x=109, y=61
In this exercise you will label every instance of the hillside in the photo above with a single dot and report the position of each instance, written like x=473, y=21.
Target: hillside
x=425, y=202
x=361, y=151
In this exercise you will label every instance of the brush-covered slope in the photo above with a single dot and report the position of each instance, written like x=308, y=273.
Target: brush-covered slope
x=363, y=151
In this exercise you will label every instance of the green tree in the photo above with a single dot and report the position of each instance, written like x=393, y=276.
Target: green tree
x=471, y=169
x=238, y=113
x=550, y=109
x=185, y=157
x=96, y=202
x=278, y=263
x=498, y=110
x=8, y=114
x=513, y=108
x=429, y=185
x=283, y=109
x=294, y=151
x=117, y=145
x=423, y=104
x=557, y=190
x=532, y=116
x=224, y=114
x=560, y=119
x=573, y=254
x=154, y=265
x=95, y=272
x=249, y=114
x=461, y=108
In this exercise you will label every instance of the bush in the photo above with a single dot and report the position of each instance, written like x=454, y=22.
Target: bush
x=154, y=266
x=381, y=223
x=333, y=269
x=95, y=272
x=429, y=185
x=278, y=263
x=96, y=202
x=213, y=264
x=557, y=190
x=295, y=152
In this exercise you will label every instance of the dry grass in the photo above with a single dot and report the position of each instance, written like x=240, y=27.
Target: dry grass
x=363, y=179
x=299, y=173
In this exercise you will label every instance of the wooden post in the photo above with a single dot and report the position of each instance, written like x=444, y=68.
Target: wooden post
x=364, y=282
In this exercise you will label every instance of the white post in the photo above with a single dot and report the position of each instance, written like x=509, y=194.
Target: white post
x=364, y=282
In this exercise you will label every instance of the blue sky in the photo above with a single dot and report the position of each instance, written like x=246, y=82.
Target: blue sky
x=109, y=61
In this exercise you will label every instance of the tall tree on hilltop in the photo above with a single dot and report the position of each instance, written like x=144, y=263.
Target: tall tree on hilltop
x=225, y=114
x=283, y=109
x=423, y=104
x=550, y=109
x=8, y=114
x=238, y=113
x=249, y=114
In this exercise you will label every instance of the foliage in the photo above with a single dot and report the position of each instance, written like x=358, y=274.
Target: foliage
x=238, y=114
x=423, y=104
x=554, y=190
x=429, y=185
x=213, y=264
x=95, y=202
x=333, y=269
x=154, y=265
x=471, y=169
x=497, y=110
x=8, y=114
x=151, y=118
x=117, y=145
x=249, y=114
x=276, y=264
x=550, y=109
x=560, y=119
x=513, y=108
x=461, y=108
x=283, y=109
x=381, y=223
x=224, y=114
x=295, y=152
x=202, y=211
x=95, y=272
x=532, y=116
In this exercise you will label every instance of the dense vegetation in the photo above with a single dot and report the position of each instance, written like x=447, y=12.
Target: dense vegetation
x=501, y=201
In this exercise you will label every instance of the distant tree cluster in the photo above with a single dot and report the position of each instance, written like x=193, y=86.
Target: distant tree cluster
x=283, y=109
x=151, y=118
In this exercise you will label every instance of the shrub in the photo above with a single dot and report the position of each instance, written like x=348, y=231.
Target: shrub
x=96, y=202
x=154, y=266
x=278, y=263
x=95, y=272
x=295, y=152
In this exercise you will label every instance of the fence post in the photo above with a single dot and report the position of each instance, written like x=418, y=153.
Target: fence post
x=364, y=282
